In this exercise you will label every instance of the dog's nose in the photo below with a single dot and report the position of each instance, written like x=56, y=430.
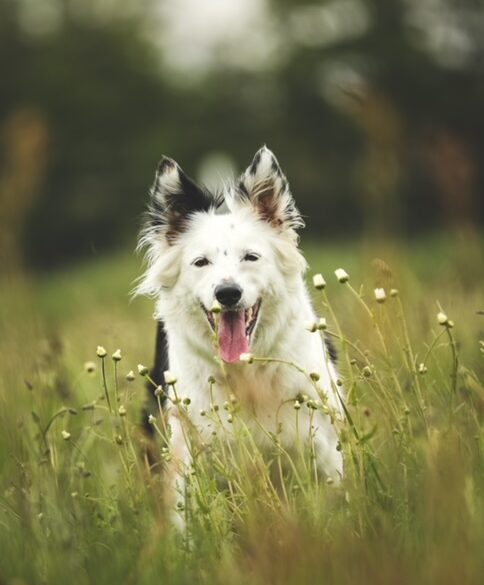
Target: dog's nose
x=228, y=295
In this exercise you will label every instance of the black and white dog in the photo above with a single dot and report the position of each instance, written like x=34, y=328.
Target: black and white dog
x=230, y=264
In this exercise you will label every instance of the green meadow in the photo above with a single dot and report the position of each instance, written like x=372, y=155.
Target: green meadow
x=79, y=504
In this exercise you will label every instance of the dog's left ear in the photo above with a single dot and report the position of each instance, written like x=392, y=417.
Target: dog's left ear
x=264, y=185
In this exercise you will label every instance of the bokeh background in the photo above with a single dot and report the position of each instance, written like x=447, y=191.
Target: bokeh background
x=374, y=109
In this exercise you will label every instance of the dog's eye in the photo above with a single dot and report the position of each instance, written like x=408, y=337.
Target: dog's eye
x=251, y=257
x=199, y=262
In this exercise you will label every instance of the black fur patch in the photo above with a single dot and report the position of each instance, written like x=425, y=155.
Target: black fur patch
x=255, y=163
x=331, y=349
x=170, y=210
x=161, y=364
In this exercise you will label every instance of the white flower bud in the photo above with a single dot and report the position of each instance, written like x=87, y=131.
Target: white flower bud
x=65, y=435
x=100, y=351
x=394, y=292
x=122, y=410
x=380, y=295
x=341, y=275
x=248, y=358
x=311, y=326
x=90, y=367
x=151, y=419
x=442, y=318
x=422, y=369
x=322, y=325
x=130, y=376
x=318, y=282
x=117, y=355
x=142, y=370
x=169, y=377
x=297, y=405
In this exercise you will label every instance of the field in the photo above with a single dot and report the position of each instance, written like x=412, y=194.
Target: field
x=77, y=503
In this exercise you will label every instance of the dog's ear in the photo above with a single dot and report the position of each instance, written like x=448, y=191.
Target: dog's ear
x=266, y=188
x=174, y=198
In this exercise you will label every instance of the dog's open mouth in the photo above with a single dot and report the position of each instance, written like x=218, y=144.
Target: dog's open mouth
x=235, y=328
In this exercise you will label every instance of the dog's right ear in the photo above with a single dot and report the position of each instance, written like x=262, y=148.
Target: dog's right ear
x=174, y=198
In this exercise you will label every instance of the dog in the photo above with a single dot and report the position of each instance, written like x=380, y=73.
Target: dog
x=232, y=307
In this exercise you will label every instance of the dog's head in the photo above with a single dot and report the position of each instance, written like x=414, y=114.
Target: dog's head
x=235, y=252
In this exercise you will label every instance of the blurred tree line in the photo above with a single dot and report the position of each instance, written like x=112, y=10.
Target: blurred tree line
x=374, y=112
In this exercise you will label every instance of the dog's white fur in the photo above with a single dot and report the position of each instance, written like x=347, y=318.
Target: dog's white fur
x=258, y=216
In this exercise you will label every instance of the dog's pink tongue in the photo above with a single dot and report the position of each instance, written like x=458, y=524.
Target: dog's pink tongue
x=231, y=336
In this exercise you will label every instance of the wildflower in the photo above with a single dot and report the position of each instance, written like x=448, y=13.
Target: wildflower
x=216, y=307
x=90, y=367
x=366, y=371
x=169, y=377
x=422, y=369
x=65, y=435
x=394, y=292
x=130, y=376
x=100, y=351
x=117, y=355
x=203, y=412
x=118, y=439
x=314, y=376
x=230, y=418
x=297, y=405
x=329, y=481
x=319, y=282
x=248, y=358
x=380, y=295
x=122, y=410
x=158, y=391
x=342, y=275
x=151, y=419
x=142, y=370
x=311, y=326
x=187, y=401
x=442, y=318
x=211, y=380
x=322, y=325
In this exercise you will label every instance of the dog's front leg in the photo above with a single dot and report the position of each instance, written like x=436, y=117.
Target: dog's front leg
x=176, y=469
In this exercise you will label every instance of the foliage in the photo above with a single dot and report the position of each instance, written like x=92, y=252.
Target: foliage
x=78, y=502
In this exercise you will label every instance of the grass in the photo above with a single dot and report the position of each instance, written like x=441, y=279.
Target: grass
x=77, y=503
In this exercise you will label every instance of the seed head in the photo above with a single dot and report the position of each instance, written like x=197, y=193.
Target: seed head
x=151, y=419
x=158, y=391
x=318, y=282
x=366, y=371
x=322, y=325
x=118, y=439
x=117, y=355
x=314, y=376
x=422, y=369
x=342, y=275
x=311, y=326
x=142, y=370
x=122, y=410
x=394, y=292
x=216, y=307
x=230, y=418
x=130, y=376
x=65, y=435
x=203, y=412
x=169, y=377
x=442, y=318
x=211, y=380
x=100, y=351
x=297, y=405
x=90, y=367
x=248, y=358
x=187, y=401
x=380, y=295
